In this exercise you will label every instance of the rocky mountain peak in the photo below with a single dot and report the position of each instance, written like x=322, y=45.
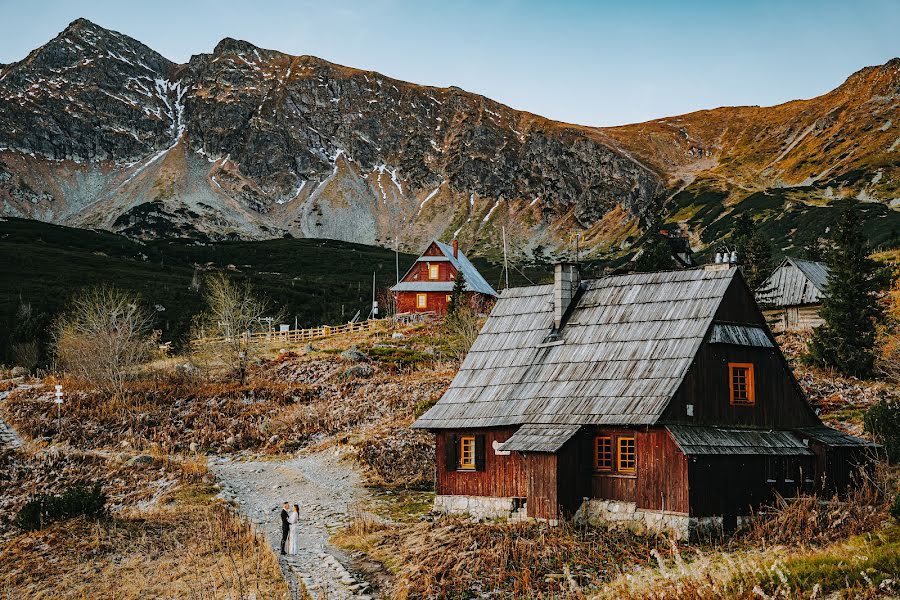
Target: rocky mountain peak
x=97, y=129
x=230, y=45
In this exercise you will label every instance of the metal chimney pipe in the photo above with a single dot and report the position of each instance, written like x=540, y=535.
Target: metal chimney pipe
x=566, y=279
x=734, y=257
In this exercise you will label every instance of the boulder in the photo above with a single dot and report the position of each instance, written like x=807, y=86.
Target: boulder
x=140, y=460
x=352, y=354
x=361, y=370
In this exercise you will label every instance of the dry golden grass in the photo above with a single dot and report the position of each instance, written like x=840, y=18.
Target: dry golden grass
x=194, y=552
x=454, y=558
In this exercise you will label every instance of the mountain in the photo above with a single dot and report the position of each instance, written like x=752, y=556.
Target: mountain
x=99, y=131
x=788, y=164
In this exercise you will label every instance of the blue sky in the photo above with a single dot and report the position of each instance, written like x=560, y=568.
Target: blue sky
x=594, y=63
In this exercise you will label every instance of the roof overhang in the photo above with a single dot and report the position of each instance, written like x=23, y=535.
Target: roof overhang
x=534, y=437
x=717, y=441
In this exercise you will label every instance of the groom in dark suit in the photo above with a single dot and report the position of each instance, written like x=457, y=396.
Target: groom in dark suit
x=285, y=526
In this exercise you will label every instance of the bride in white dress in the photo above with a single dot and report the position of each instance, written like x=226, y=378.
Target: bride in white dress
x=294, y=531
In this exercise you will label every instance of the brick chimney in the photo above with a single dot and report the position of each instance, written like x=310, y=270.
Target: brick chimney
x=455, y=248
x=566, y=279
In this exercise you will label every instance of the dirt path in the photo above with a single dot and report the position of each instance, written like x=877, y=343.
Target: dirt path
x=325, y=488
x=8, y=436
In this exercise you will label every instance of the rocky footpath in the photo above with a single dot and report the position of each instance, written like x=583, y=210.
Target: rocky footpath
x=326, y=489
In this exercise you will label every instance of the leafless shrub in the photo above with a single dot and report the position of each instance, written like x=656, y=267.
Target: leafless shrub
x=105, y=335
x=462, y=325
x=233, y=313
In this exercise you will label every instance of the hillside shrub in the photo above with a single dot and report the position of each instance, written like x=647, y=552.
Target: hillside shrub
x=895, y=508
x=78, y=500
x=882, y=421
x=104, y=336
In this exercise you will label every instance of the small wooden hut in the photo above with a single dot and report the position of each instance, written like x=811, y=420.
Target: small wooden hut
x=660, y=398
x=793, y=294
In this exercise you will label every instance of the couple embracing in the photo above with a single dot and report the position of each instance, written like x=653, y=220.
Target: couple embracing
x=290, y=528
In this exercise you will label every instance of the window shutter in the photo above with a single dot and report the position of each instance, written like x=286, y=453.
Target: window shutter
x=451, y=443
x=479, y=452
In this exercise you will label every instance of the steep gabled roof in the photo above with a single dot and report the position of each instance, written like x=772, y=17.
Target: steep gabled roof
x=622, y=354
x=474, y=281
x=795, y=282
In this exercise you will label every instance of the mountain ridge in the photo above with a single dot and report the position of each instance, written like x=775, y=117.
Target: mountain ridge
x=245, y=142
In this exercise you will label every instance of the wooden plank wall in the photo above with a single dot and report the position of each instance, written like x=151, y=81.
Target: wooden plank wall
x=542, y=486
x=503, y=476
x=779, y=403
x=660, y=481
x=573, y=475
x=735, y=485
x=794, y=318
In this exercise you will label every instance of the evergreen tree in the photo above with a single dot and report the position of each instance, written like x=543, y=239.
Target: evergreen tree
x=813, y=251
x=458, y=295
x=656, y=255
x=850, y=308
x=753, y=249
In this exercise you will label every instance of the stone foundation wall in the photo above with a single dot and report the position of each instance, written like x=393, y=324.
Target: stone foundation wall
x=627, y=514
x=481, y=507
x=592, y=511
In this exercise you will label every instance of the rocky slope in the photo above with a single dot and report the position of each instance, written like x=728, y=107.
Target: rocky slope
x=101, y=131
x=790, y=164
x=97, y=130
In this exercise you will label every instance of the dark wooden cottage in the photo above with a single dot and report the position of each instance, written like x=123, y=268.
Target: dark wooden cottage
x=792, y=295
x=660, y=398
x=427, y=286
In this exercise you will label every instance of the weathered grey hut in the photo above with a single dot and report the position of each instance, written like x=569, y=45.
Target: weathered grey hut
x=793, y=294
x=655, y=397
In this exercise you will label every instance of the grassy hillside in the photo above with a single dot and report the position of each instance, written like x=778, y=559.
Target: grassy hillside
x=792, y=217
x=316, y=281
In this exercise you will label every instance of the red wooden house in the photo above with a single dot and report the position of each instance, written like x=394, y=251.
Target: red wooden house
x=427, y=285
x=660, y=398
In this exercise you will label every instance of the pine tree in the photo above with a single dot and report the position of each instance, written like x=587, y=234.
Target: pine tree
x=656, y=255
x=458, y=295
x=850, y=309
x=753, y=249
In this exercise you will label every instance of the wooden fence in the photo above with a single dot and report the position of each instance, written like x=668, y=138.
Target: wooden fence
x=304, y=335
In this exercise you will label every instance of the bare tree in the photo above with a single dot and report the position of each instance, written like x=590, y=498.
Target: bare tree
x=463, y=325
x=104, y=336
x=233, y=313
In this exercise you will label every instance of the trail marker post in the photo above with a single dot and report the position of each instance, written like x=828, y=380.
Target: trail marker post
x=58, y=401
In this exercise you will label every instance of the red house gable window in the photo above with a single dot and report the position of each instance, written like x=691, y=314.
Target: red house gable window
x=741, y=384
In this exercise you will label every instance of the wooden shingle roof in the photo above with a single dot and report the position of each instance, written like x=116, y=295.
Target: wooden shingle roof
x=475, y=282
x=623, y=352
x=694, y=440
x=794, y=283
x=532, y=437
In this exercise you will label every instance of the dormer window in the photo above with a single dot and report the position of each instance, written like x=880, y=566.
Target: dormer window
x=741, y=384
x=433, y=271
